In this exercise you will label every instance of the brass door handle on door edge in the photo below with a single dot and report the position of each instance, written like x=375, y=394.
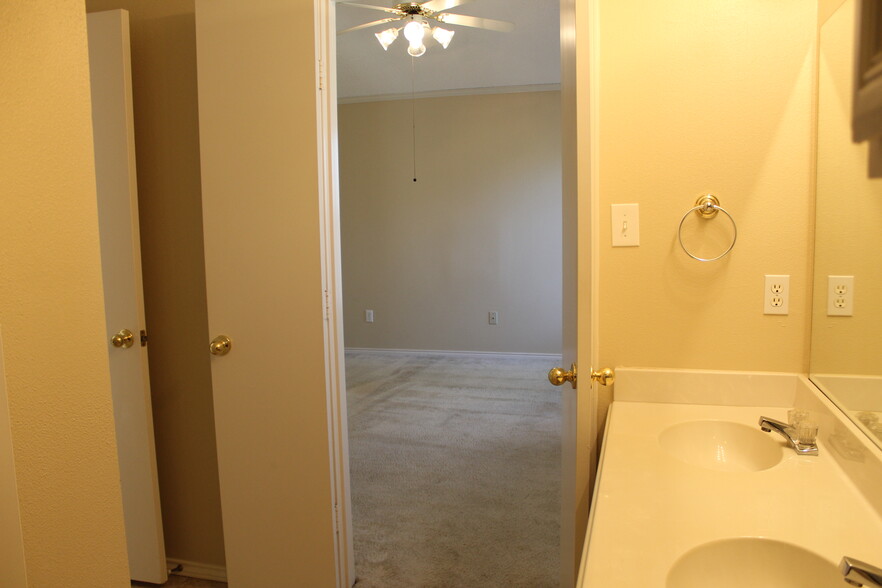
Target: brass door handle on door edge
x=604, y=377
x=558, y=376
x=220, y=345
x=123, y=339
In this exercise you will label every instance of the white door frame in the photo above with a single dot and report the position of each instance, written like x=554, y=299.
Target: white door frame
x=577, y=16
x=335, y=373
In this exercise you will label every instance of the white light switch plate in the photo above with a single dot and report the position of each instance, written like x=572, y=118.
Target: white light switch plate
x=625, y=225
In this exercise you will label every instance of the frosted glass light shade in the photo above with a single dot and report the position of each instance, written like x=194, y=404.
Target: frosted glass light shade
x=416, y=51
x=443, y=36
x=386, y=37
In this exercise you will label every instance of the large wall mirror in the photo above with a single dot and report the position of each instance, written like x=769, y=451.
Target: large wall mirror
x=846, y=357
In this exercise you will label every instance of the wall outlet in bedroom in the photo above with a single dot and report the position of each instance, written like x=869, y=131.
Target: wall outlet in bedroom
x=368, y=316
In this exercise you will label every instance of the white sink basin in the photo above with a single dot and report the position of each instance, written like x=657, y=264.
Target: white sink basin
x=752, y=562
x=722, y=445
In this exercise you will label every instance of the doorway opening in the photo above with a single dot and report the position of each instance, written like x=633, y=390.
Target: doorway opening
x=452, y=300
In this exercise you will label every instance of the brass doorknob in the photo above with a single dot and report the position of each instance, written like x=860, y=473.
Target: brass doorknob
x=558, y=376
x=220, y=345
x=604, y=377
x=124, y=339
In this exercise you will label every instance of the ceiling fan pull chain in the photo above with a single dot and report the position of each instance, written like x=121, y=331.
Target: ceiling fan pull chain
x=413, y=114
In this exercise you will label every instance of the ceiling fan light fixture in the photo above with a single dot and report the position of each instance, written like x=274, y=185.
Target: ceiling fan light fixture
x=414, y=31
x=443, y=36
x=387, y=37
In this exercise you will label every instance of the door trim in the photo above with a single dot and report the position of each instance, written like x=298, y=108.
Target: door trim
x=586, y=21
x=335, y=374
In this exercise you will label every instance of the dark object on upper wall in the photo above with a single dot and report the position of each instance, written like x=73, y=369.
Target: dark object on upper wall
x=867, y=113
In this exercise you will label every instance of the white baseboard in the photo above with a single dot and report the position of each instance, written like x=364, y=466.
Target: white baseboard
x=193, y=569
x=549, y=356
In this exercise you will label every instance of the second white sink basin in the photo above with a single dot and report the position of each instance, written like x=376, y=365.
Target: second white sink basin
x=722, y=445
x=752, y=562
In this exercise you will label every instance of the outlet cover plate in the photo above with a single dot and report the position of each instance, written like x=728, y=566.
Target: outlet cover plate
x=840, y=295
x=776, y=294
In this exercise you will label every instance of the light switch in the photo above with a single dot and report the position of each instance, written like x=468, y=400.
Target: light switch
x=625, y=225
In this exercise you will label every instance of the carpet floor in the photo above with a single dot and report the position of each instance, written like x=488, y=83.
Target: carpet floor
x=455, y=470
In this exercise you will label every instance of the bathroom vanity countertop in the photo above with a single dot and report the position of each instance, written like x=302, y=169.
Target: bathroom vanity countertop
x=651, y=508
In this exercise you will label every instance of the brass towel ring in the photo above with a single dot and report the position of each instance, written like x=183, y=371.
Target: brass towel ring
x=707, y=206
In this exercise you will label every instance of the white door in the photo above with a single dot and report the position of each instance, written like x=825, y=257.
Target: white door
x=109, y=62
x=580, y=404
x=276, y=423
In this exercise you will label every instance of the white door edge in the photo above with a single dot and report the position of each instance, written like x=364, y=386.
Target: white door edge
x=335, y=378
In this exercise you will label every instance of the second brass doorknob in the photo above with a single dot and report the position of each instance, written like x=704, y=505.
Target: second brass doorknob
x=124, y=339
x=558, y=376
x=220, y=345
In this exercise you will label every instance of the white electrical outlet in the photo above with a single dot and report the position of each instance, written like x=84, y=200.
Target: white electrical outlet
x=840, y=295
x=368, y=316
x=493, y=317
x=776, y=295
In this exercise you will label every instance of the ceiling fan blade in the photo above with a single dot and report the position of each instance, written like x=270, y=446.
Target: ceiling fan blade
x=441, y=5
x=368, y=25
x=371, y=6
x=474, y=21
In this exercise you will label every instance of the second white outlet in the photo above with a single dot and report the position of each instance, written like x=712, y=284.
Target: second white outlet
x=368, y=316
x=776, y=295
x=840, y=295
x=493, y=317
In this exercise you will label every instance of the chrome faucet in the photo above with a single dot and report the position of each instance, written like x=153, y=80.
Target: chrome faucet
x=858, y=573
x=788, y=432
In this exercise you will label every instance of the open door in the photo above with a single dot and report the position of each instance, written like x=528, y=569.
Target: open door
x=113, y=129
x=579, y=400
x=269, y=309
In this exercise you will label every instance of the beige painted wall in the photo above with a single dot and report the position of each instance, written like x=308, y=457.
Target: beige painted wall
x=849, y=204
x=478, y=231
x=170, y=207
x=694, y=98
x=51, y=303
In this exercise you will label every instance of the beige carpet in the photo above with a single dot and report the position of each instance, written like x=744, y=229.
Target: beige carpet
x=455, y=464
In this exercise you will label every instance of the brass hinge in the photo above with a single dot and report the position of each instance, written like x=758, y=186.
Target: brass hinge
x=321, y=80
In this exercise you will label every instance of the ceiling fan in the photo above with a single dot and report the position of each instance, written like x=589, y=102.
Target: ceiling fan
x=417, y=17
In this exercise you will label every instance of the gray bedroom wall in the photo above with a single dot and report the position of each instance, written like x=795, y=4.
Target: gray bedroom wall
x=478, y=231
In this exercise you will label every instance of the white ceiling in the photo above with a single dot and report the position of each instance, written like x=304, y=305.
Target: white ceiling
x=476, y=58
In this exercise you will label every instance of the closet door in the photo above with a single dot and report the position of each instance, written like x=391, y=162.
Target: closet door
x=261, y=221
x=110, y=66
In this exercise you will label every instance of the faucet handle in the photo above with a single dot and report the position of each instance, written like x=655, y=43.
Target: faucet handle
x=858, y=573
x=807, y=432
